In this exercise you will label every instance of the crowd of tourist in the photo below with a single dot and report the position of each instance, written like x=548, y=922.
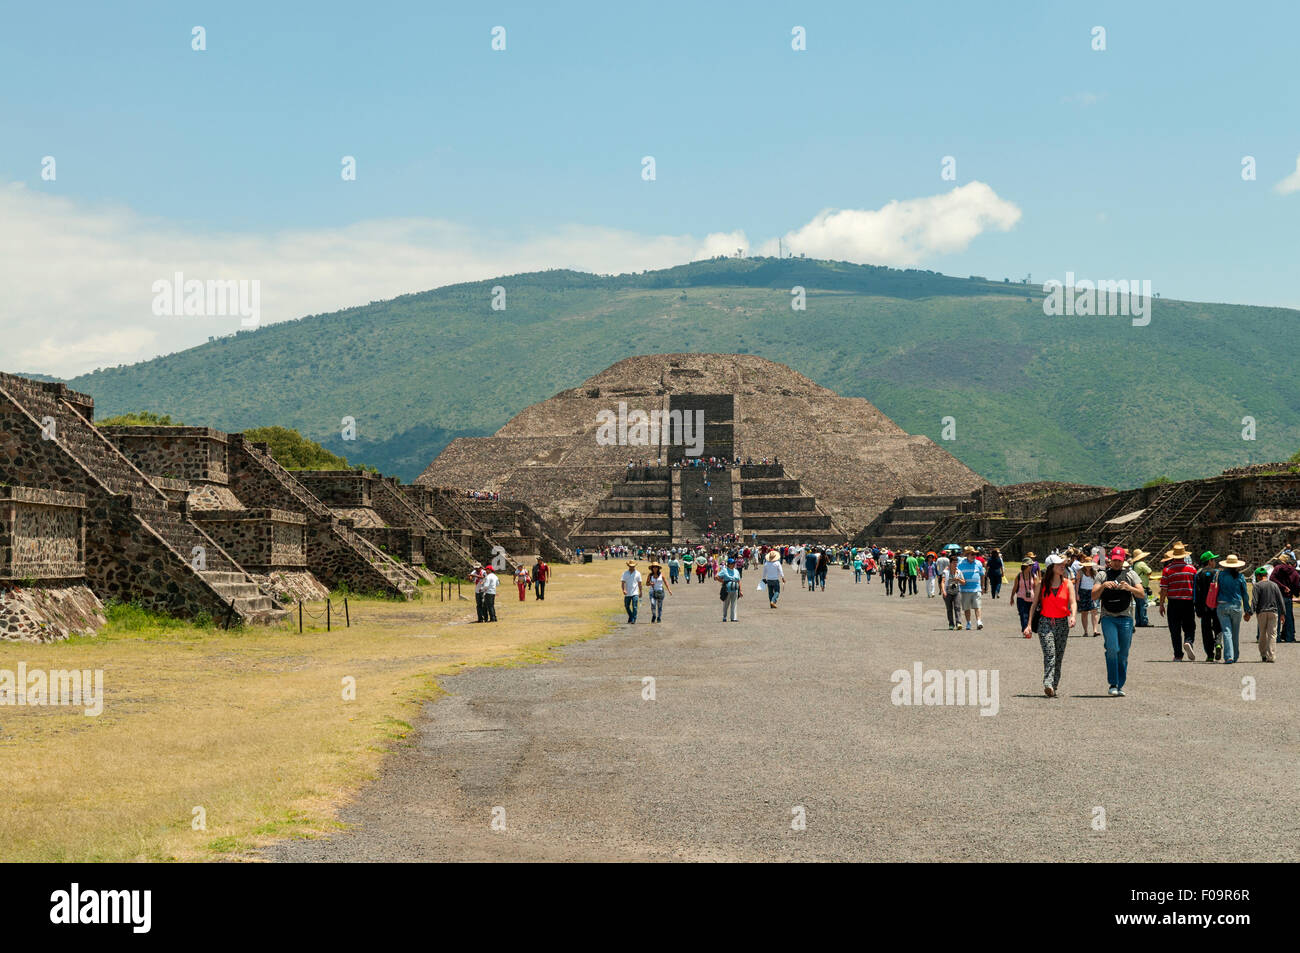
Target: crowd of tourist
x=1083, y=590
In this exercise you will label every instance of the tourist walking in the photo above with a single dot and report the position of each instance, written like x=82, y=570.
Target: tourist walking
x=477, y=577
x=823, y=568
x=1116, y=593
x=522, y=580
x=1266, y=603
x=657, y=588
x=1232, y=603
x=773, y=576
x=490, y=582
x=1084, y=584
x=1287, y=578
x=1139, y=565
x=1022, y=595
x=631, y=583
x=887, y=573
x=1211, y=631
x=674, y=568
x=541, y=576
x=913, y=570
x=1177, y=600
x=1052, y=618
x=857, y=567
x=996, y=567
x=953, y=581
x=972, y=572
x=810, y=569
x=730, y=592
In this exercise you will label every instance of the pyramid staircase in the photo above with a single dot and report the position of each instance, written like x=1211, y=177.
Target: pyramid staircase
x=442, y=552
x=1176, y=510
x=164, y=537
x=336, y=553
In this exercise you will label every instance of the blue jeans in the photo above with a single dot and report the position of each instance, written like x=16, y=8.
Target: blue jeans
x=1142, y=611
x=857, y=575
x=656, y=605
x=773, y=590
x=629, y=606
x=1117, y=633
x=672, y=574
x=1024, y=607
x=1230, y=621
x=1287, y=625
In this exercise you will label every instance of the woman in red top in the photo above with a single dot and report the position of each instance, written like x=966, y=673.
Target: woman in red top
x=1056, y=605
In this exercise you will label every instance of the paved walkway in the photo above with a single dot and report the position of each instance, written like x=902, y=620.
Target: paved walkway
x=791, y=708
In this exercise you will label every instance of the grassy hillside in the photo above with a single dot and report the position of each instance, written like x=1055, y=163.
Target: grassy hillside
x=1088, y=399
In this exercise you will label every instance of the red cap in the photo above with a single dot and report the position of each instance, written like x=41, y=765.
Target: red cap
x=1119, y=552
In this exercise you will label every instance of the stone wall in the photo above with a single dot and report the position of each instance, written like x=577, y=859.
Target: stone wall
x=260, y=540
x=184, y=453
x=42, y=534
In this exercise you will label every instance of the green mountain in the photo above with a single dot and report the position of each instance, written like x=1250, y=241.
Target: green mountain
x=1090, y=399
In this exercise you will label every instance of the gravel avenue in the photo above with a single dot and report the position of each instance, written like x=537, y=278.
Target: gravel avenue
x=778, y=738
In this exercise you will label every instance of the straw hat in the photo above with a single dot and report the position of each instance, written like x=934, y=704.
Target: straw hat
x=1231, y=562
x=968, y=549
x=1138, y=555
x=1031, y=555
x=1088, y=564
x=654, y=566
x=631, y=564
x=773, y=556
x=1178, y=552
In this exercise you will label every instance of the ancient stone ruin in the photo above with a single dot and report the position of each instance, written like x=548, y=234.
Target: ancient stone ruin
x=43, y=591
x=1251, y=511
x=195, y=522
x=838, y=461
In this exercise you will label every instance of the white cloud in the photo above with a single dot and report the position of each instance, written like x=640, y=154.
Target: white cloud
x=906, y=232
x=78, y=279
x=1291, y=183
x=1084, y=99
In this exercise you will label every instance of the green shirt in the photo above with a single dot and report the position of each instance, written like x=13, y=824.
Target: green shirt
x=911, y=565
x=1144, y=573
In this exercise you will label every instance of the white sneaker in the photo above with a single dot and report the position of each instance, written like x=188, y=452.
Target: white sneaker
x=979, y=625
x=1187, y=650
x=1119, y=692
x=1114, y=692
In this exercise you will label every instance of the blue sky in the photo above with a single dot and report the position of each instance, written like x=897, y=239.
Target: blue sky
x=473, y=163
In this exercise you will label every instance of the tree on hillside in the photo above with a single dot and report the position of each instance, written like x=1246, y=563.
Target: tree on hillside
x=293, y=451
x=139, y=418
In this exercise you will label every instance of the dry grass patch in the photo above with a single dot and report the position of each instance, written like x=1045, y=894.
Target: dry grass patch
x=251, y=725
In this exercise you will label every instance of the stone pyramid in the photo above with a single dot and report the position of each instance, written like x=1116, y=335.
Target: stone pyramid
x=557, y=456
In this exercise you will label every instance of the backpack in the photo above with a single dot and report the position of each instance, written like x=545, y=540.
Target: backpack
x=1116, y=600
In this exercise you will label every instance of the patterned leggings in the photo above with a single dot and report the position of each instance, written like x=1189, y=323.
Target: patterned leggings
x=1052, y=636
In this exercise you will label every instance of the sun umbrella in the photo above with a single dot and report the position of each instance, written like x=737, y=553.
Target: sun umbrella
x=951, y=547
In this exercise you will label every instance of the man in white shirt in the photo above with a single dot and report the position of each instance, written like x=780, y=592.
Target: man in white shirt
x=631, y=582
x=773, y=576
x=490, y=581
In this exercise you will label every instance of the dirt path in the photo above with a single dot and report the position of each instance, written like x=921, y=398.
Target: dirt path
x=792, y=709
